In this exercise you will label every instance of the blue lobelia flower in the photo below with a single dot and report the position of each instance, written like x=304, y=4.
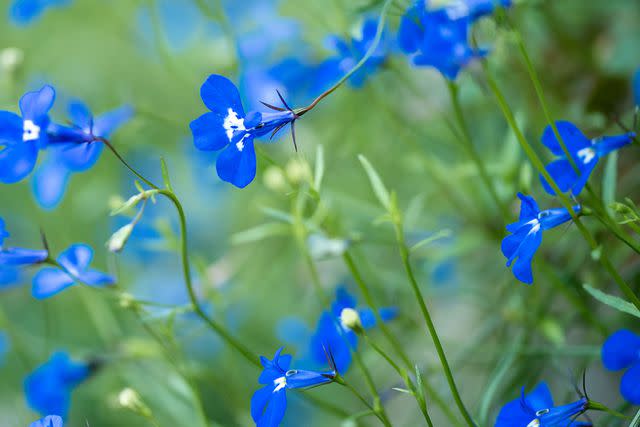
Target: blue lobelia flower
x=74, y=267
x=585, y=153
x=476, y=9
x=228, y=128
x=332, y=336
x=15, y=257
x=48, y=421
x=48, y=388
x=268, y=404
x=348, y=53
x=622, y=351
x=526, y=235
x=24, y=12
x=22, y=137
x=74, y=148
x=536, y=409
x=439, y=38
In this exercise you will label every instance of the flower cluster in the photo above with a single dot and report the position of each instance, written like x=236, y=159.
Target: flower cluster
x=622, y=351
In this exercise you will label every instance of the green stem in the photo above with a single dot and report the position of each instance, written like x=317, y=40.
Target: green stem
x=404, y=254
x=537, y=163
x=471, y=149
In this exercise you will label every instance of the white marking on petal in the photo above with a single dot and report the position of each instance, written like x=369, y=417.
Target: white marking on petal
x=240, y=144
x=280, y=383
x=232, y=123
x=586, y=155
x=534, y=423
x=30, y=131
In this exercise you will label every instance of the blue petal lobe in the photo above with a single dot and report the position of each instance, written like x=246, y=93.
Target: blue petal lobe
x=17, y=161
x=238, y=166
x=49, y=183
x=76, y=258
x=209, y=133
x=50, y=281
x=107, y=123
x=36, y=105
x=630, y=385
x=571, y=136
x=96, y=278
x=259, y=401
x=620, y=350
x=275, y=411
x=219, y=94
x=10, y=128
x=540, y=397
x=80, y=115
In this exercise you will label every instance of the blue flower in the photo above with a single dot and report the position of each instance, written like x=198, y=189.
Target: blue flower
x=622, y=351
x=476, y=9
x=15, y=257
x=331, y=335
x=228, y=128
x=269, y=403
x=22, y=137
x=536, y=409
x=23, y=12
x=348, y=53
x=74, y=263
x=48, y=388
x=439, y=38
x=526, y=235
x=48, y=421
x=74, y=148
x=585, y=153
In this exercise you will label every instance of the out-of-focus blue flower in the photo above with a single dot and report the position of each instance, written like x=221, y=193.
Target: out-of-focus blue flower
x=48, y=388
x=74, y=148
x=48, y=421
x=536, y=409
x=15, y=257
x=332, y=336
x=22, y=137
x=24, y=12
x=622, y=351
x=268, y=404
x=348, y=53
x=9, y=276
x=229, y=129
x=526, y=235
x=584, y=151
x=476, y=9
x=4, y=346
x=74, y=263
x=439, y=38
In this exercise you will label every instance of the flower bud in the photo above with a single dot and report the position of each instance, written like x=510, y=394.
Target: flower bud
x=351, y=319
x=130, y=399
x=274, y=179
x=118, y=239
x=10, y=59
x=298, y=171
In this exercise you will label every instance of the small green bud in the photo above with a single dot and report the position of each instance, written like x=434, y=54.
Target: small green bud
x=274, y=179
x=118, y=239
x=130, y=399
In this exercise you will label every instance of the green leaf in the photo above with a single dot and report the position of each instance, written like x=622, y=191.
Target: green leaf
x=428, y=240
x=612, y=301
x=419, y=385
x=260, y=232
x=379, y=189
x=636, y=420
x=165, y=174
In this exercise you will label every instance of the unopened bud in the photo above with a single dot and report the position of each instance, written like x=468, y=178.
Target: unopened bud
x=118, y=239
x=351, y=319
x=130, y=399
x=274, y=179
x=10, y=59
x=298, y=171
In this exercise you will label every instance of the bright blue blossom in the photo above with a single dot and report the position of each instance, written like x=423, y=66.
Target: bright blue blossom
x=520, y=246
x=48, y=421
x=229, y=129
x=74, y=148
x=15, y=257
x=268, y=404
x=348, y=53
x=74, y=263
x=585, y=153
x=23, y=12
x=439, y=38
x=48, y=388
x=622, y=351
x=332, y=336
x=22, y=137
x=536, y=409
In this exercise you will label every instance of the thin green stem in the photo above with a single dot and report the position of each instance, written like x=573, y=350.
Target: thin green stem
x=537, y=163
x=404, y=254
x=471, y=149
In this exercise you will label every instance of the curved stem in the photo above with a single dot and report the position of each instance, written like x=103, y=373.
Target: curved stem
x=404, y=254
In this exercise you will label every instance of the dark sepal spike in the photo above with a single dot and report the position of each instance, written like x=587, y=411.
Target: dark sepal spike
x=293, y=135
x=330, y=359
x=584, y=384
x=283, y=101
x=45, y=243
x=276, y=130
x=273, y=107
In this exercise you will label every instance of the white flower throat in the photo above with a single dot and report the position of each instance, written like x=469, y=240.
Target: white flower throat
x=30, y=131
x=586, y=155
x=280, y=383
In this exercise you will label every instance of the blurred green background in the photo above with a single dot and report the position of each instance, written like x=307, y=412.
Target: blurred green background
x=499, y=334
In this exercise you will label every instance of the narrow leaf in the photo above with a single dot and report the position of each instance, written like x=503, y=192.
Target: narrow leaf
x=612, y=301
x=379, y=189
x=609, y=180
x=165, y=174
x=319, y=171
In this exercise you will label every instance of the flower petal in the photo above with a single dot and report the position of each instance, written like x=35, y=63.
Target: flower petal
x=80, y=157
x=562, y=173
x=48, y=421
x=219, y=94
x=573, y=138
x=620, y=350
x=630, y=385
x=274, y=413
x=259, y=402
x=528, y=207
x=96, y=278
x=17, y=161
x=237, y=163
x=209, y=132
x=10, y=128
x=50, y=281
x=23, y=12
x=80, y=115
x=539, y=398
x=50, y=182
x=107, y=123
x=76, y=258
x=36, y=105
x=22, y=256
